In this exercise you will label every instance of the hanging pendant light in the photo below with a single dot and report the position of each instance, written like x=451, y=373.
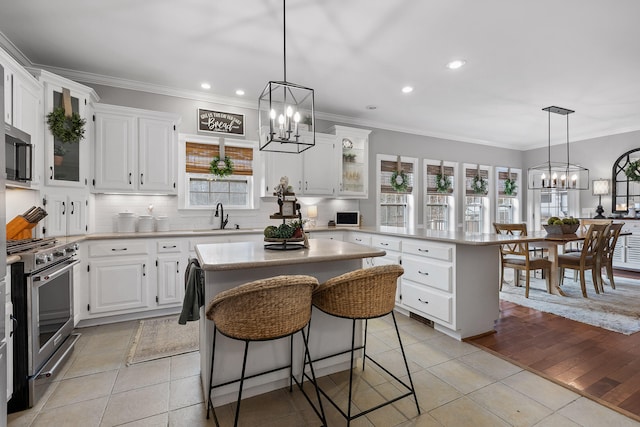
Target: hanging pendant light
x=282, y=108
x=554, y=174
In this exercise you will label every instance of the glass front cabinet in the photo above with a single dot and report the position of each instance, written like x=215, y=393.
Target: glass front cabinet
x=440, y=195
x=67, y=164
x=352, y=147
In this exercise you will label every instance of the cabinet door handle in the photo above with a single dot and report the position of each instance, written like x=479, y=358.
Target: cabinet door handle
x=358, y=240
x=384, y=244
x=64, y=208
x=144, y=270
x=423, y=301
x=178, y=267
x=51, y=177
x=118, y=249
x=141, y=179
x=14, y=322
x=73, y=208
x=300, y=185
x=306, y=185
x=129, y=178
x=423, y=250
x=168, y=247
x=423, y=273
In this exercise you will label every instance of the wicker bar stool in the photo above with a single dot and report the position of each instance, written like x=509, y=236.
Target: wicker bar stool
x=262, y=310
x=361, y=295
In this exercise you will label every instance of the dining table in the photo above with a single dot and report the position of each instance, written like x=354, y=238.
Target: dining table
x=552, y=242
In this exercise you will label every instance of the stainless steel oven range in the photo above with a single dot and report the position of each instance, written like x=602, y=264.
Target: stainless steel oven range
x=42, y=296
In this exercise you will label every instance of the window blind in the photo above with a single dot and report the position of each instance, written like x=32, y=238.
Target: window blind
x=199, y=156
x=502, y=176
x=469, y=174
x=432, y=171
x=387, y=168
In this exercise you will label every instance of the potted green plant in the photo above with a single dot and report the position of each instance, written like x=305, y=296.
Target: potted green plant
x=58, y=154
x=349, y=157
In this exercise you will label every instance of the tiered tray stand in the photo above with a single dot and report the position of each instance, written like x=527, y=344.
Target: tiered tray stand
x=292, y=211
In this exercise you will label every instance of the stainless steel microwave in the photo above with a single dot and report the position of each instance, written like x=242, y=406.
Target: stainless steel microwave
x=18, y=154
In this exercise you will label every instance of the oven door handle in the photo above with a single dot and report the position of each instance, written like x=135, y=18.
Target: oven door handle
x=63, y=268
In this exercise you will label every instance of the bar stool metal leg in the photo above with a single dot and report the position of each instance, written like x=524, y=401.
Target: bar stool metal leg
x=404, y=357
x=209, y=400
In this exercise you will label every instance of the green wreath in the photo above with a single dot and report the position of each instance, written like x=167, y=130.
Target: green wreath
x=66, y=129
x=224, y=171
x=633, y=171
x=399, y=181
x=443, y=183
x=510, y=186
x=479, y=185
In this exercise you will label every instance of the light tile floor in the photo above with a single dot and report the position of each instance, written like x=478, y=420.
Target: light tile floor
x=457, y=385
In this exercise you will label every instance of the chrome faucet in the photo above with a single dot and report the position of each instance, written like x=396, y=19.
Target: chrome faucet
x=223, y=220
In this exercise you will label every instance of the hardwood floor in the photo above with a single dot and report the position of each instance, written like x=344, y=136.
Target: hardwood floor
x=595, y=362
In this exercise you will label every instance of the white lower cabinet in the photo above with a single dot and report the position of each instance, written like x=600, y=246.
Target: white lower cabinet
x=171, y=263
x=428, y=283
x=627, y=252
x=118, y=284
x=135, y=275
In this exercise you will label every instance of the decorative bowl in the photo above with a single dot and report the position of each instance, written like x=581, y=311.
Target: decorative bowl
x=557, y=229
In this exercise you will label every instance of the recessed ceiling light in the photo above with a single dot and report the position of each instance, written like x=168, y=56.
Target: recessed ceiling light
x=371, y=107
x=407, y=89
x=239, y=92
x=205, y=86
x=454, y=65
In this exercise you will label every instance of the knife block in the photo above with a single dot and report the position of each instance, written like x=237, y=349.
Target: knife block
x=19, y=228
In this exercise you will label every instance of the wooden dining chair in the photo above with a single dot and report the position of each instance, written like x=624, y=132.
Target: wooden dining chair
x=605, y=259
x=587, y=258
x=517, y=255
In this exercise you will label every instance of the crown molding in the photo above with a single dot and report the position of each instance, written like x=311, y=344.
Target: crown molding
x=13, y=51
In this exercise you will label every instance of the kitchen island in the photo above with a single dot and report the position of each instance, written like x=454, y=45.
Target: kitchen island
x=227, y=265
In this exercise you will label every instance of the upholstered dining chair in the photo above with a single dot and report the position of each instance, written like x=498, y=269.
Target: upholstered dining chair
x=517, y=255
x=587, y=258
x=605, y=259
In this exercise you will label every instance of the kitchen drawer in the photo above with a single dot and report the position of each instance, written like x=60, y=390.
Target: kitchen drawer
x=386, y=243
x=359, y=239
x=168, y=246
x=436, y=274
x=442, y=252
x=117, y=248
x=428, y=301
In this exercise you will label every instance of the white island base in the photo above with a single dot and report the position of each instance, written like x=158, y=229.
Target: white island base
x=229, y=265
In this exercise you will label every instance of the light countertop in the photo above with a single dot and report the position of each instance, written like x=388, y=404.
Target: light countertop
x=474, y=239
x=241, y=255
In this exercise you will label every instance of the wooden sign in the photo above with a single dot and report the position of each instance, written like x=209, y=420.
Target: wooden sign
x=220, y=122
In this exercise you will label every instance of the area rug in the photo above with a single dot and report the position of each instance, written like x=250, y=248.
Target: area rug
x=163, y=337
x=617, y=309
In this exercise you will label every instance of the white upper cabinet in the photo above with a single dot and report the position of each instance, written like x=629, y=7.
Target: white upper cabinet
x=66, y=164
x=23, y=108
x=310, y=173
x=135, y=150
x=352, y=161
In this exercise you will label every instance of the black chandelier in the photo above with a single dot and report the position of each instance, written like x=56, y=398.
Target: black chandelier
x=283, y=109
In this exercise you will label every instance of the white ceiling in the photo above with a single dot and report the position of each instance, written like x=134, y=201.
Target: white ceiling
x=522, y=56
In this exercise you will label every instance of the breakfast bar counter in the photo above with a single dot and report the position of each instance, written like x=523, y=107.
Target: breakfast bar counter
x=227, y=265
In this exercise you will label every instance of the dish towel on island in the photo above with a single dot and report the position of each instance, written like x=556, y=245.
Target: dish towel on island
x=193, y=292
